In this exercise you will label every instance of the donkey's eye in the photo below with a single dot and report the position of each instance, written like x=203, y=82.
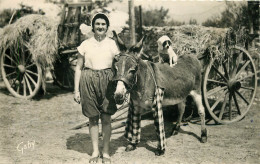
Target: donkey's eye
x=132, y=70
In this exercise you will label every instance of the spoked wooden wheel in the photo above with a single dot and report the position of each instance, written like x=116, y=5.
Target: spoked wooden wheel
x=64, y=71
x=21, y=75
x=229, y=85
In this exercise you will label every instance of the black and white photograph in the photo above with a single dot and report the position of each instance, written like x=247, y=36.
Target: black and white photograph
x=129, y=82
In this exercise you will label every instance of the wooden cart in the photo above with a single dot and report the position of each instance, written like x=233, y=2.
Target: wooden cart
x=229, y=85
x=230, y=79
x=23, y=78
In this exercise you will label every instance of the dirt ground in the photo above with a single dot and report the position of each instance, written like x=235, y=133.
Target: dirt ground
x=38, y=131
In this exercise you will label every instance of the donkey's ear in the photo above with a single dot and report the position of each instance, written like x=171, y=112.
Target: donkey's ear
x=119, y=42
x=138, y=47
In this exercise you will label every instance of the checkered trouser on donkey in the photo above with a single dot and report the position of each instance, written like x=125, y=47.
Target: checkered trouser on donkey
x=133, y=123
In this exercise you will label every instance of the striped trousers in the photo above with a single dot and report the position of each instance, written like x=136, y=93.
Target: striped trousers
x=133, y=123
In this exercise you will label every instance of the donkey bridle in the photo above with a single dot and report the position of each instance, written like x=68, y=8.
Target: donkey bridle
x=133, y=83
x=130, y=84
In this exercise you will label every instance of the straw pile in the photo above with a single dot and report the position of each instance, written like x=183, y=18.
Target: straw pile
x=37, y=33
x=205, y=42
x=187, y=39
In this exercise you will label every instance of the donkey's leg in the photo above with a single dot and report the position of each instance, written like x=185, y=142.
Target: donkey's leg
x=176, y=127
x=133, y=128
x=198, y=100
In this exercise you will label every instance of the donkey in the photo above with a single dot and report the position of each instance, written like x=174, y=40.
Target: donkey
x=153, y=85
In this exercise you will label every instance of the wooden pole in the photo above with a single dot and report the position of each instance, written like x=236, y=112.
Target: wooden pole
x=10, y=21
x=250, y=20
x=140, y=22
x=131, y=22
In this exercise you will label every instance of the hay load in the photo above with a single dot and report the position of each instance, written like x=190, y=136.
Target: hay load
x=36, y=33
x=186, y=39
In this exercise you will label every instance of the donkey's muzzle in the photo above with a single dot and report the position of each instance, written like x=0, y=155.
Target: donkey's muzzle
x=119, y=98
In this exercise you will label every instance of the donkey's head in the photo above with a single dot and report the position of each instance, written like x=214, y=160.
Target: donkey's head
x=125, y=66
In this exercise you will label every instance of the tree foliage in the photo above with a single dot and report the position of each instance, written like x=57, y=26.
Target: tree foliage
x=156, y=17
x=233, y=16
x=6, y=14
x=152, y=17
x=236, y=15
x=173, y=22
x=193, y=21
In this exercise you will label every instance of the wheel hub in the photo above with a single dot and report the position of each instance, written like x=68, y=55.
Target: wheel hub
x=21, y=68
x=234, y=85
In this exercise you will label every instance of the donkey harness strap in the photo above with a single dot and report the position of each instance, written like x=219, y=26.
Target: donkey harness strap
x=152, y=73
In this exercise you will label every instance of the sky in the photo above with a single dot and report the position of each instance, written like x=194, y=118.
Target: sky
x=180, y=10
x=50, y=9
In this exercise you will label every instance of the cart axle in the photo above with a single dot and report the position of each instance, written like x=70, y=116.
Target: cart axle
x=234, y=85
x=21, y=68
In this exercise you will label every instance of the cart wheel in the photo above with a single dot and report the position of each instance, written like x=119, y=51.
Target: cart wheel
x=229, y=85
x=64, y=71
x=21, y=75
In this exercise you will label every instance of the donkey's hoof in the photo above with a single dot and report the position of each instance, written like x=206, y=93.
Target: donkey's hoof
x=159, y=152
x=204, y=139
x=204, y=136
x=174, y=132
x=175, y=129
x=130, y=147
